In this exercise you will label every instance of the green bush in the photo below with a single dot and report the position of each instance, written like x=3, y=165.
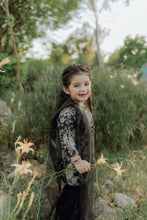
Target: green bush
x=35, y=69
x=13, y=99
x=132, y=54
x=41, y=101
x=119, y=108
x=8, y=78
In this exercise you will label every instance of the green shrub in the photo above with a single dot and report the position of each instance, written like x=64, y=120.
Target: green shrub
x=35, y=69
x=41, y=101
x=19, y=125
x=119, y=108
x=8, y=78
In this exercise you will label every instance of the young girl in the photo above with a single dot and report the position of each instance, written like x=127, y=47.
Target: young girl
x=72, y=142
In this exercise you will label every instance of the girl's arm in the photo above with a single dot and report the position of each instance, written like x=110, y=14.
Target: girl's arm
x=66, y=125
x=82, y=166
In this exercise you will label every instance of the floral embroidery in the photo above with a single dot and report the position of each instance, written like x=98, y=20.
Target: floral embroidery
x=66, y=123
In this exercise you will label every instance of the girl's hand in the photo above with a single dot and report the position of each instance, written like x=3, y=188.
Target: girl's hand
x=82, y=166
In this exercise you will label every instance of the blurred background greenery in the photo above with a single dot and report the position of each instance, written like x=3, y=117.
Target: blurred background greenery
x=119, y=104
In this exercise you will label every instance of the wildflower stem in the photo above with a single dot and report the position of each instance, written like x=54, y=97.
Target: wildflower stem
x=29, y=206
x=16, y=178
x=22, y=202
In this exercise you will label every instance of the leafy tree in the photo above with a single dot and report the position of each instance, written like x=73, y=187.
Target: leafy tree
x=97, y=6
x=80, y=47
x=59, y=55
x=132, y=54
x=30, y=19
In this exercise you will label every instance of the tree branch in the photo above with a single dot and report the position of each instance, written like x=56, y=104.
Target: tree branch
x=97, y=36
x=15, y=53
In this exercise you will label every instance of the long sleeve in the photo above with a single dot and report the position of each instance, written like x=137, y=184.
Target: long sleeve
x=67, y=131
x=66, y=123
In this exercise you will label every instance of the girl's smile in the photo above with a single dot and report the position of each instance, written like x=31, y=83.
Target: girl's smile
x=79, y=88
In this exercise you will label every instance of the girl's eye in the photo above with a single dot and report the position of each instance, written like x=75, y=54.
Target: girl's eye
x=86, y=84
x=76, y=85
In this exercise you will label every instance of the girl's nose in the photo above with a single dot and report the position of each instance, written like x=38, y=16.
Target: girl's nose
x=83, y=88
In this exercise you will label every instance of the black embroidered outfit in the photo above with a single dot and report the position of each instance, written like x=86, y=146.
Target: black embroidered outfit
x=72, y=133
x=66, y=123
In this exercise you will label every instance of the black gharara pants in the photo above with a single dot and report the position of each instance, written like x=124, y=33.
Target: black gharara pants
x=73, y=204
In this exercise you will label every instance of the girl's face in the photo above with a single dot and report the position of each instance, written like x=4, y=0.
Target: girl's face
x=79, y=88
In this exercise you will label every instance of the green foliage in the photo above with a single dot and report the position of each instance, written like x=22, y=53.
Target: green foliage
x=132, y=54
x=119, y=109
x=34, y=68
x=131, y=183
x=78, y=48
x=14, y=101
x=27, y=17
x=60, y=55
x=42, y=101
x=8, y=78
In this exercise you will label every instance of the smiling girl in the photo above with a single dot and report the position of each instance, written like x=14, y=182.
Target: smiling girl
x=72, y=142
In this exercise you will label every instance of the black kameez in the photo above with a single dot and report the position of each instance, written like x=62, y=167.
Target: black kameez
x=74, y=129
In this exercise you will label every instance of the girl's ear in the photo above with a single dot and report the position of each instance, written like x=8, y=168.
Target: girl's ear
x=65, y=89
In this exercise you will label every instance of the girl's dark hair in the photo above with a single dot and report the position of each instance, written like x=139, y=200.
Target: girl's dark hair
x=67, y=74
